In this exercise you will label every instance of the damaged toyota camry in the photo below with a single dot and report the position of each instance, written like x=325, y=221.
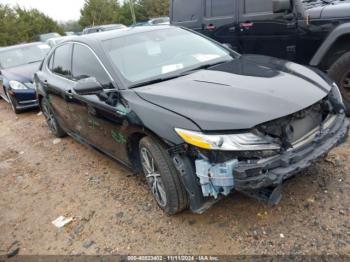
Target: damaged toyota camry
x=198, y=119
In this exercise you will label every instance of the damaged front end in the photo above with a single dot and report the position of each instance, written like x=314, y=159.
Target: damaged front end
x=257, y=162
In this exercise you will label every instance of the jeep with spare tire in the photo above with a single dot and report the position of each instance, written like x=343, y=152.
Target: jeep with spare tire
x=309, y=32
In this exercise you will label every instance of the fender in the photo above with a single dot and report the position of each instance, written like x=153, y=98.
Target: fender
x=327, y=44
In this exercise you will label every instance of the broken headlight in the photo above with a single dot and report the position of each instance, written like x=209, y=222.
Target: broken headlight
x=227, y=142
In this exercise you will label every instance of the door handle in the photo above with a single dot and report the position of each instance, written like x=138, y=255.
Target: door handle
x=68, y=94
x=45, y=83
x=210, y=27
x=232, y=29
x=247, y=25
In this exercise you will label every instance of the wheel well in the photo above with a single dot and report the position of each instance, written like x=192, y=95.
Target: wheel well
x=40, y=97
x=133, y=147
x=338, y=48
x=5, y=91
x=133, y=150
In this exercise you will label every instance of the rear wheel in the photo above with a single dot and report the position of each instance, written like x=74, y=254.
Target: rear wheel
x=162, y=177
x=51, y=121
x=340, y=73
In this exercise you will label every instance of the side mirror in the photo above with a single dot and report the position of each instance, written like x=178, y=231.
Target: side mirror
x=88, y=86
x=280, y=6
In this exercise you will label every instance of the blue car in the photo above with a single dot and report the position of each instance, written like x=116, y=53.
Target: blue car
x=17, y=67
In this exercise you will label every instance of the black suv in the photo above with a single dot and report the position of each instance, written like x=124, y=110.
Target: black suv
x=310, y=32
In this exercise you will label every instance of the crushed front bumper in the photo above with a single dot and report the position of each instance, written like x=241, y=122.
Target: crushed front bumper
x=271, y=172
x=24, y=99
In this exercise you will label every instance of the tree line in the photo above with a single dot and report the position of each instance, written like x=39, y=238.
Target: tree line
x=19, y=25
x=97, y=12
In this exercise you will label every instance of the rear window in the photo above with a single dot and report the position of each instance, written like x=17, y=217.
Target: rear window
x=219, y=8
x=186, y=11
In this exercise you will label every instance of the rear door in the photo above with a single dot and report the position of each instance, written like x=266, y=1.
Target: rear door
x=187, y=13
x=219, y=21
x=58, y=82
x=263, y=32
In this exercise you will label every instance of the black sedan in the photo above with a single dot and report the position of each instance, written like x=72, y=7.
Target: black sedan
x=17, y=67
x=197, y=118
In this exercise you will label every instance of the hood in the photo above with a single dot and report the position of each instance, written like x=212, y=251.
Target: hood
x=23, y=73
x=338, y=9
x=239, y=94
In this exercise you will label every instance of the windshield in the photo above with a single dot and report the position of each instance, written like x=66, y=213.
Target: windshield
x=150, y=55
x=23, y=55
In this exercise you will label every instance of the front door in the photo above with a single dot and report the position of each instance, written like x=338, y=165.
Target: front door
x=96, y=117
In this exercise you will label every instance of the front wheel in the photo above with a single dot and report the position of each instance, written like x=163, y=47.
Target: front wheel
x=162, y=177
x=340, y=73
x=51, y=121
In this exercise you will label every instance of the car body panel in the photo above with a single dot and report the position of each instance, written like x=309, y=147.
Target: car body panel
x=295, y=37
x=239, y=94
x=24, y=99
x=223, y=99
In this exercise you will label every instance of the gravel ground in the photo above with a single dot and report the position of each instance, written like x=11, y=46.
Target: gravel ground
x=113, y=212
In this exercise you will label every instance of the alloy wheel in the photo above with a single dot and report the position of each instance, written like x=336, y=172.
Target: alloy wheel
x=153, y=177
x=50, y=119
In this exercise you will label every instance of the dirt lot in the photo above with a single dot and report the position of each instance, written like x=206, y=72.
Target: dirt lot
x=114, y=213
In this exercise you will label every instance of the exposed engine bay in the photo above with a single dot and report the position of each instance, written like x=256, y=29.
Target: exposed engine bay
x=303, y=137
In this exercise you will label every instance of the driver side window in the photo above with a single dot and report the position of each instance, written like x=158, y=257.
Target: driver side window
x=85, y=64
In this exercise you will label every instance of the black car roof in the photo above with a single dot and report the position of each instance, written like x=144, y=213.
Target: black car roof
x=7, y=48
x=102, y=36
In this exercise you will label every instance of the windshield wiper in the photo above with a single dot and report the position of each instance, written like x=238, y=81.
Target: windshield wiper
x=154, y=81
x=328, y=2
x=162, y=79
x=33, y=62
x=323, y=1
x=205, y=66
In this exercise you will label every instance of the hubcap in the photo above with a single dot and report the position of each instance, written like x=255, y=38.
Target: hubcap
x=345, y=86
x=153, y=177
x=50, y=119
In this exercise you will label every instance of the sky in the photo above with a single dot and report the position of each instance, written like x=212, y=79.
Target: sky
x=59, y=10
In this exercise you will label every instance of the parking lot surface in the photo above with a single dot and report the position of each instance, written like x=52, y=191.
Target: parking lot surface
x=43, y=178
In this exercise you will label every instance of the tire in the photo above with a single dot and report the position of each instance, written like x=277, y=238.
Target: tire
x=51, y=121
x=14, y=106
x=164, y=177
x=340, y=73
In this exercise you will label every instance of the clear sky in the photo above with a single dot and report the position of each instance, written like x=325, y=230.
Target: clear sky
x=60, y=10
